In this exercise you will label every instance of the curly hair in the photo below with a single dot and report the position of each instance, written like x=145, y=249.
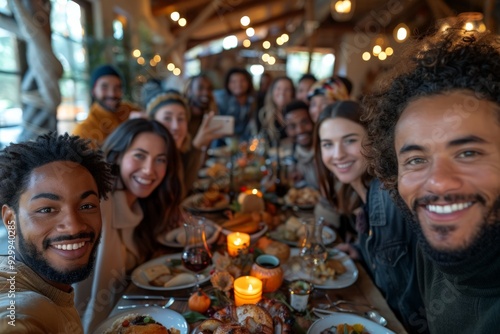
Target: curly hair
x=451, y=60
x=17, y=161
x=161, y=208
x=343, y=197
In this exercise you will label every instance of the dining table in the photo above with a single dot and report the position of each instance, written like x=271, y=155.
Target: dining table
x=363, y=291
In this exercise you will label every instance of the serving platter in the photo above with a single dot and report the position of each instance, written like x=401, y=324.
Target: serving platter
x=329, y=236
x=341, y=281
x=140, y=279
x=174, y=238
x=192, y=204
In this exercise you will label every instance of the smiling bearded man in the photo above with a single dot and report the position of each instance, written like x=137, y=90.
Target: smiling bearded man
x=50, y=191
x=434, y=141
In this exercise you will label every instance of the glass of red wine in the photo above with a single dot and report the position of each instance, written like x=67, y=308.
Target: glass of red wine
x=196, y=256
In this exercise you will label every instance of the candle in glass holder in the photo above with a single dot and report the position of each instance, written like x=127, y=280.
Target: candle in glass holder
x=247, y=290
x=237, y=241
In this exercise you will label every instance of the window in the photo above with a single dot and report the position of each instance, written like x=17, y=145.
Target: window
x=321, y=65
x=68, y=35
x=10, y=104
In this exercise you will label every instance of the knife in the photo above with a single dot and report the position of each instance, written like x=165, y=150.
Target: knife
x=150, y=297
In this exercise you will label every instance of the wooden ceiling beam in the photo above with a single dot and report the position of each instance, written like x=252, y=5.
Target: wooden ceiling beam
x=181, y=5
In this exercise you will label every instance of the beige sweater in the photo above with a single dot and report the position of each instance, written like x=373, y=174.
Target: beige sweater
x=117, y=254
x=39, y=307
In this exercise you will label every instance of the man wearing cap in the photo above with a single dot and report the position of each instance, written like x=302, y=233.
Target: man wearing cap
x=107, y=110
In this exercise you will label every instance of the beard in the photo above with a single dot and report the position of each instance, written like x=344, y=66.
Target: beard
x=33, y=259
x=486, y=238
x=109, y=100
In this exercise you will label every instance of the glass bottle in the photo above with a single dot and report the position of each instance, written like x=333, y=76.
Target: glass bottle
x=312, y=249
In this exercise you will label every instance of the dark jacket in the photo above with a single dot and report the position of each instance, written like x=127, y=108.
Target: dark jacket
x=389, y=251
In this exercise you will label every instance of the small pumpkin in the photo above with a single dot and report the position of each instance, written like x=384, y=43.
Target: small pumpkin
x=199, y=301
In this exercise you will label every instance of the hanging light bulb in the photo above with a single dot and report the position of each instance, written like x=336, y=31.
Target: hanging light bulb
x=342, y=10
x=473, y=21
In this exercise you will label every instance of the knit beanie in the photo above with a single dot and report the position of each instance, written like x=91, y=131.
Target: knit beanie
x=102, y=71
x=165, y=98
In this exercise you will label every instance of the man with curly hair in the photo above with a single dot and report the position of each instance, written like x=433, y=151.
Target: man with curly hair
x=50, y=190
x=434, y=141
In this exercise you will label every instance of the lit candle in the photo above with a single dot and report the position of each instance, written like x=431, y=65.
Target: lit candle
x=247, y=290
x=237, y=241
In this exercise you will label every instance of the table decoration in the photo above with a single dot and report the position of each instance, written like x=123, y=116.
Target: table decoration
x=243, y=194
x=247, y=290
x=267, y=268
x=237, y=242
x=299, y=294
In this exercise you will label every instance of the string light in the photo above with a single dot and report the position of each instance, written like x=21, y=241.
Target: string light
x=401, y=32
x=175, y=16
x=245, y=21
x=136, y=53
x=250, y=32
x=182, y=22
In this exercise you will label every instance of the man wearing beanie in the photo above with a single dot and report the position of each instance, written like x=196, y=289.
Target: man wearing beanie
x=107, y=110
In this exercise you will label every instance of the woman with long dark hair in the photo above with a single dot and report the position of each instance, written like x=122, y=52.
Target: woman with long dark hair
x=143, y=204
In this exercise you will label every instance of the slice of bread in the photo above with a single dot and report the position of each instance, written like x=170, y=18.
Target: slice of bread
x=153, y=272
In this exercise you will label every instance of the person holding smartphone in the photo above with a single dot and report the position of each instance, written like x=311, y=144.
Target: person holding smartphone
x=171, y=109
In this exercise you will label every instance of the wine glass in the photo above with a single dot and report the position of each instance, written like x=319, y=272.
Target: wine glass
x=196, y=255
x=312, y=249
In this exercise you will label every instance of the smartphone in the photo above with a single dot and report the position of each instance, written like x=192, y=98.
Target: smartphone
x=225, y=124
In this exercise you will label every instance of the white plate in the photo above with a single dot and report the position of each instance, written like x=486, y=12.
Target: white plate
x=190, y=204
x=141, y=281
x=341, y=318
x=346, y=279
x=253, y=237
x=329, y=236
x=219, y=152
x=166, y=317
x=212, y=232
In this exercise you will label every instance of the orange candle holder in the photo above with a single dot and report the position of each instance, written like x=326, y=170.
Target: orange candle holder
x=237, y=241
x=247, y=290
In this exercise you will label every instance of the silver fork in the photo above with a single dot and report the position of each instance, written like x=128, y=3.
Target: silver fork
x=164, y=306
x=336, y=304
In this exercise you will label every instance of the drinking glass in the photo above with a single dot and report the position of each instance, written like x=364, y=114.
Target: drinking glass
x=196, y=255
x=312, y=249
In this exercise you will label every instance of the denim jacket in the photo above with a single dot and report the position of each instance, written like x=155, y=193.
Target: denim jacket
x=389, y=252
